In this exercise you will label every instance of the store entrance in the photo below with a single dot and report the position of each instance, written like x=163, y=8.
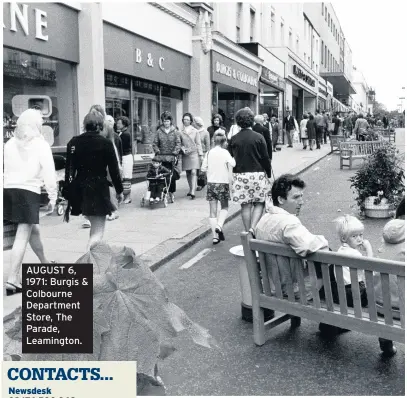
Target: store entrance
x=230, y=100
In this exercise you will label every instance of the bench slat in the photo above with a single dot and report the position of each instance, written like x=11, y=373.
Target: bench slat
x=341, y=289
x=401, y=290
x=277, y=282
x=371, y=299
x=327, y=287
x=356, y=292
x=315, y=291
x=380, y=329
x=371, y=264
x=264, y=274
x=301, y=282
x=385, y=281
x=290, y=285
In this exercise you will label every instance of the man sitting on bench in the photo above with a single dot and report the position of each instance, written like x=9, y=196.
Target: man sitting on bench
x=280, y=224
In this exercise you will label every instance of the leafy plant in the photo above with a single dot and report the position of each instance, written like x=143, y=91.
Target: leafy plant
x=382, y=176
x=133, y=319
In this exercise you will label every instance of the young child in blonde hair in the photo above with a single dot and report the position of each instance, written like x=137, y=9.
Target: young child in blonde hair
x=350, y=231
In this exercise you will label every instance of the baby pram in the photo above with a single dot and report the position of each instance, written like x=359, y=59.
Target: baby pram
x=165, y=181
x=60, y=163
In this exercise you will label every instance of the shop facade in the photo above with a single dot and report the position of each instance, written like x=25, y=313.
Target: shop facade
x=149, y=79
x=302, y=88
x=234, y=78
x=322, y=99
x=40, y=58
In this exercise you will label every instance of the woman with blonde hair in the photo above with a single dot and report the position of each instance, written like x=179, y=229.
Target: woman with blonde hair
x=28, y=164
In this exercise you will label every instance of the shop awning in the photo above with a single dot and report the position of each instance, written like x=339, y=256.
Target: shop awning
x=341, y=84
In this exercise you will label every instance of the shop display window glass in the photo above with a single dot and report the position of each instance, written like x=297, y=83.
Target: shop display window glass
x=34, y=81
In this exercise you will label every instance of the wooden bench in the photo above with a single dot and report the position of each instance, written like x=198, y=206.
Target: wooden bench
x=335, y=141
x=350, y=150
x=268, y=293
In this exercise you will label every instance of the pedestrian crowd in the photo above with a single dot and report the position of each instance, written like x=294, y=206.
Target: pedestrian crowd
x=233, y=165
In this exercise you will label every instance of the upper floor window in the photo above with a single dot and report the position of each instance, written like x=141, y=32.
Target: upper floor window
x=322, y=8
x=252, y=24
x=272, y=25
x=237, y=34
x=290, y=40
x=238, y=13
x=326, y=15
x=322, y=52
x=282, y=34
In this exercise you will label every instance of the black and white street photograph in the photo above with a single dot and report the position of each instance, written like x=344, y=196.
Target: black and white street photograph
x=233, y=173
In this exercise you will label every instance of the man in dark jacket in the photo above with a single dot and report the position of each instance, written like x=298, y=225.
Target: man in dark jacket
x=265, y=132
x=289, y=128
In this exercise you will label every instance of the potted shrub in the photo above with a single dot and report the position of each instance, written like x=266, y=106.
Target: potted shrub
x=379, y=183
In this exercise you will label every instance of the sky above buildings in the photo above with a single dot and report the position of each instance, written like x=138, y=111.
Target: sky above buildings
x=376, y=33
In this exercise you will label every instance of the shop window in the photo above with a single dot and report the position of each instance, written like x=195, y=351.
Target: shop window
x=36, y=81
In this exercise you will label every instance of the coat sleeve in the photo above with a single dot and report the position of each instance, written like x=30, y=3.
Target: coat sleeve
x=150, y=171
x=177, y=143
x=198, y=143
x=267, y=137
x=264, y=156
x=207, y=141
x=204, y=166
x=119, y=146
x=113, y=167
x=70, y=170
x=231, y=160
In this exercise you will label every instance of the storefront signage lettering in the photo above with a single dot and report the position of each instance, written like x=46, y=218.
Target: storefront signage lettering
x=235, y=74
x=299, y=73
x=272, y=78
x=150, y=59
x=22, y=16
x=323, y=92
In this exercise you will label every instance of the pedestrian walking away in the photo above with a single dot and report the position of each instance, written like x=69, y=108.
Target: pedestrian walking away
x=320, y=127
x=206, y=146
x=191, y=152
x=275, y=129
x=167, y=146
x=89, y=156
x=311, y=128
x=217, y=164
x=28, y=164
x=253, y=168
x=123, y=124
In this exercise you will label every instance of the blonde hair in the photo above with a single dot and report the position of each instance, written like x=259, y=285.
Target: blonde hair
x=347, y=225
x=108, y=132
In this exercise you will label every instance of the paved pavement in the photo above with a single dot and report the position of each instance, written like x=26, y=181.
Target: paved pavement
x=292, y=362
x=158, y=233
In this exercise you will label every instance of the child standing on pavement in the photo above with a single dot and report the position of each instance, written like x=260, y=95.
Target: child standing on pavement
x=350, y=231
x=217, y=163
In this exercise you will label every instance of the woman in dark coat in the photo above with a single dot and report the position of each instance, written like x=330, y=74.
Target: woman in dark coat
x=89, y=155
x=253, y=168
x=217, y=122
x=311, y=132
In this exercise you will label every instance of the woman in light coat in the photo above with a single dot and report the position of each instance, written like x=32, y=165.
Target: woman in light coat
x=28, y=164
x=192, y=152
x=303, y=131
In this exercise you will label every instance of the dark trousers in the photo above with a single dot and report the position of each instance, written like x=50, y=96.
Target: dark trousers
x=319, y=135
x=349, y=295
x=274, y=139
x=156, y=189
x=172, y=187
x=325, y=134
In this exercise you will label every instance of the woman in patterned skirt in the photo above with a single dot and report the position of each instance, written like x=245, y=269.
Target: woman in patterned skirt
x=216, y=164
x=252, y=172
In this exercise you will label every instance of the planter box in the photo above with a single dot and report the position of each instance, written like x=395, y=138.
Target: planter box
x=382, y=210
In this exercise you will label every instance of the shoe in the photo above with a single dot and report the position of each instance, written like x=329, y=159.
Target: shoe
x=318, y=147
x=188, y=194
x=251, y=230
x=86, y=224
x=215, y=241
x=289, y=146
x=11, y=289
x=151, y=200
x=171, y=197
x=310, y=149
x=112, y=217
x=220, y=233
x=157, y=200
x=127, y=201
x=199, y=188
x=192, y=197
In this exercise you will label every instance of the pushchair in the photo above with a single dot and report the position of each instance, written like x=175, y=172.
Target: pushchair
x=165, y=181
x=60, y=163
